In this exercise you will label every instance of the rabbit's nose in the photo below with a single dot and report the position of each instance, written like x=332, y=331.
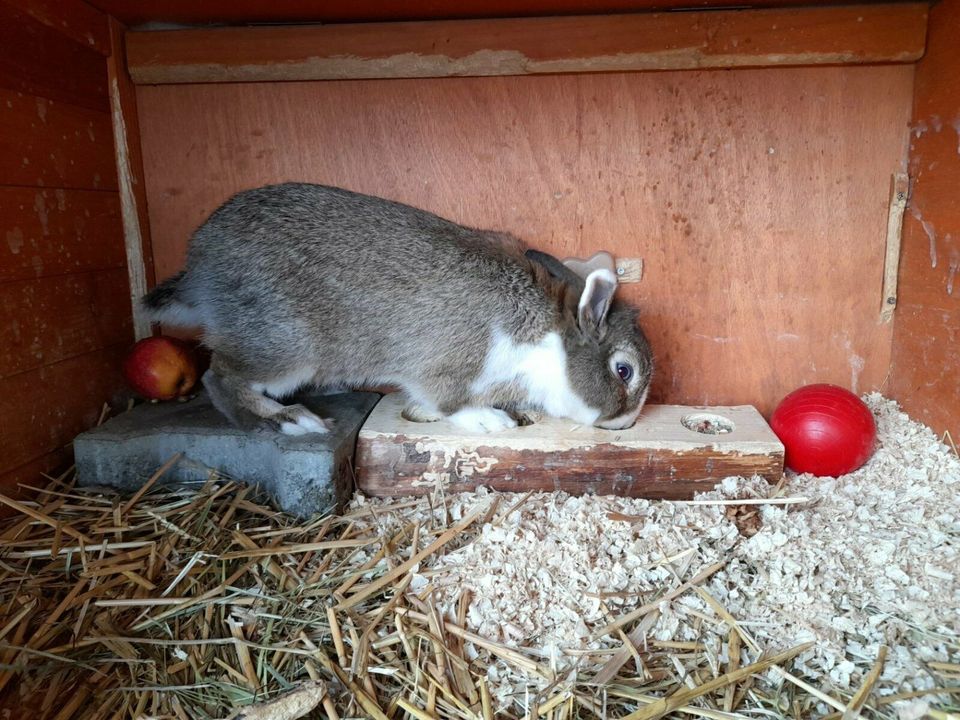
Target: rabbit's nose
x=620, y=422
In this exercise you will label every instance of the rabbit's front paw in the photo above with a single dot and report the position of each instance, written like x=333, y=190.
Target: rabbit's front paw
x=415, y=412
x=482, y=419
x=297, y=420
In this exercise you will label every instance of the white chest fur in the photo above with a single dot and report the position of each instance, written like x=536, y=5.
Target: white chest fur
x=541, y=369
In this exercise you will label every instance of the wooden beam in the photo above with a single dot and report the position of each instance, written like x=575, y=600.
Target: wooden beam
x=58, y=317
x=530, y=46
x=38, y=59
x=48, y=143
x=133, y=196
x=657, y=458
x=75, y=19
x=53, y=232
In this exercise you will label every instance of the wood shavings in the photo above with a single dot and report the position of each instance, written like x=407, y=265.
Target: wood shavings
x=866, y=560
x=290, y=706
x=199, y=603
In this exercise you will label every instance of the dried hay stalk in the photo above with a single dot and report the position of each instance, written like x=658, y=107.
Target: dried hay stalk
x=208, y=604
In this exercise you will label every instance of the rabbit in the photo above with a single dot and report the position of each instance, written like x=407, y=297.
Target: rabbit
x=299, y=284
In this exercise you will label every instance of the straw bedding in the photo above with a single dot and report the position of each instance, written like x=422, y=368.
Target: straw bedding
x=815, y=597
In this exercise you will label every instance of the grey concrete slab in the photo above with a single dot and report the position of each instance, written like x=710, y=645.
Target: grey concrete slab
x=304, y=474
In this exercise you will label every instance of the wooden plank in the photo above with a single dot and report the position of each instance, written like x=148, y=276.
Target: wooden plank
x=530, y=46
x=54, y=318
x=926, y=342
x=756, y=199
x=30, y=474
x=54, y=144
x=899, y=189
x=133, y=199
x=657, y=458
x=53, y=232
x=244, y=12
x=34, y=57
x=926, y=356
x=75, y=19
x=44, y=409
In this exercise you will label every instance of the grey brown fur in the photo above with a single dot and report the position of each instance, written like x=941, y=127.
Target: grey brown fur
x=296, y=284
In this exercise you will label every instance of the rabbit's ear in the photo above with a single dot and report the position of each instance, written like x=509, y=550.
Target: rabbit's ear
x=556, y=268
x=597, y=261
x=598, y=291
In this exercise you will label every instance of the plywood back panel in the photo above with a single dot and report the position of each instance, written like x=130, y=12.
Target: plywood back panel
x=927, y=326
x=757, y=198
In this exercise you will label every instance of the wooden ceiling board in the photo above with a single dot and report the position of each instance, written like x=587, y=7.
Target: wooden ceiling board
x=242, y=12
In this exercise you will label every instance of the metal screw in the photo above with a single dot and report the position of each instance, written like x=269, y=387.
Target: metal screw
x=891, y=301
x=620, y=270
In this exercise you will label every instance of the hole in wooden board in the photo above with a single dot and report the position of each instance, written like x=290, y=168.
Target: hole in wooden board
x=708, y=423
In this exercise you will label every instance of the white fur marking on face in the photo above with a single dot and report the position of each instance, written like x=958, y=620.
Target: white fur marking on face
x=626, y=420
x=482, y=419
x=620, y=422
x=541, y=368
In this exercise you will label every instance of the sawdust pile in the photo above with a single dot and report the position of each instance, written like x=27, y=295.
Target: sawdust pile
x=867, y=560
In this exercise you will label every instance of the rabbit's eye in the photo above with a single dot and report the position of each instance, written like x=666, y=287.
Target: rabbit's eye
x=624, y=371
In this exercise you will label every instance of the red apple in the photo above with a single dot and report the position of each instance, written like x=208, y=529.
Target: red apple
x=161, y=368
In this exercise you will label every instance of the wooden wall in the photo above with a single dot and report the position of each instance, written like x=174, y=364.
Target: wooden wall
x=757, y=198
x=64, y=299
x=926, y=357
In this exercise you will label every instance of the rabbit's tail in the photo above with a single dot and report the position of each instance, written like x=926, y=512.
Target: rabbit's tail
x=165, y=303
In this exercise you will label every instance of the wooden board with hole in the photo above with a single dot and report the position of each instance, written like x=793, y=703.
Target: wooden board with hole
x=657, y=458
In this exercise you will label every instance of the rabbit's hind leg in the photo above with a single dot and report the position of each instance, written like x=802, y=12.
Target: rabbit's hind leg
x=244, y=403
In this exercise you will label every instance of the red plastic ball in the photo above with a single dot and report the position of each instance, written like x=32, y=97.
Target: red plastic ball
x=825, y=430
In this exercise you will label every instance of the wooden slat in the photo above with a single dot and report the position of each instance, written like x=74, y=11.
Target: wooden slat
x=53, y=318
x=926, y=341
x=34, y=59
x=656, y=458
x=31, y=474
x=756, y=199
x=529, y=46
x=44, y=409
x=75, y=19
x=133, y=197
x=54, y=232
x=244, y=12
x=54, y=144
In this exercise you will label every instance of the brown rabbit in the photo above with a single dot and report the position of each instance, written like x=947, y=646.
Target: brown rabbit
x=299, y=284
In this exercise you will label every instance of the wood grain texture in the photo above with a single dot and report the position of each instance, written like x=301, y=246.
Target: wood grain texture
x=63, y=297
x=54, y=318
x=16, y=482
x=44, y=409
x=926, y=357
x=133, y=198
x=531, y=46
x=56, y=232
x=656, y=458
x=757, y=198
x=241, y=12
x=34, y=57
x=75, y=19
x=54, y=144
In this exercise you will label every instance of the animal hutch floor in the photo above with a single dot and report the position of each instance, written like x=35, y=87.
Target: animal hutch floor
x=806, y=598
